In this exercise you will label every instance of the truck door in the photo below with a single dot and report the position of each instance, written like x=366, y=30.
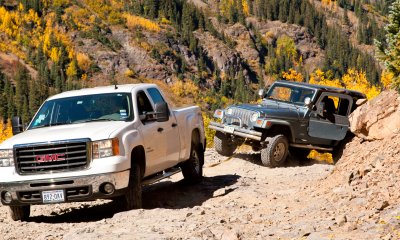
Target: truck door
x=170, y=130
x=155, y=140
x=330, y=119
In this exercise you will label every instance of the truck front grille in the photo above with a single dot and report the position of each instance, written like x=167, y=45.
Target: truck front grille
x=243, y=114
x=51, y=157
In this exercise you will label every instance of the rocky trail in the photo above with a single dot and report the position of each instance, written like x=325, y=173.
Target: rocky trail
x=238, y=199
x=358, y=198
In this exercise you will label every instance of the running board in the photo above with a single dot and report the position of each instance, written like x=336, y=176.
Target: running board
x=311, y=147
x=159, y=176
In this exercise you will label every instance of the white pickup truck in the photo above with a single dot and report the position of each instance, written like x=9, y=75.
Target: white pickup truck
x=103, y=142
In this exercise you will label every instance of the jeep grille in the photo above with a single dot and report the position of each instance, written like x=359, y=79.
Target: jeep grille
x=243, y=114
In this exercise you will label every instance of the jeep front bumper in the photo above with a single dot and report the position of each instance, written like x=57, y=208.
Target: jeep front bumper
x=236, y=130
x=74, y=189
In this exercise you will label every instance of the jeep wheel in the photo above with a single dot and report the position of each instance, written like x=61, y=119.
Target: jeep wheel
x=223, y=144
x=274, y=155
x=20, y=213
x=132, y=199
x=192, y=169
x=300, y=153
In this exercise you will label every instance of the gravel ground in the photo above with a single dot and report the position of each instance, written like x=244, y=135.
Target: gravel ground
x=238, y=199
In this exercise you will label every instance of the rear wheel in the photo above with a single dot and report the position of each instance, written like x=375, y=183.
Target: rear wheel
x=20, y=213
x=132, y=199
x=192, y=169
x=274, y=155
x=223, y=144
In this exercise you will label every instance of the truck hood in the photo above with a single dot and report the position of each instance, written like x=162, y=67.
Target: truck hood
x=271, y=108
x=92, y=130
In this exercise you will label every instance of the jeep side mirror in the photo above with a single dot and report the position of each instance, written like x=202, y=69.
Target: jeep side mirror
x=261, y=93
x=162, y=113
x=17, y=127
x=307, y=101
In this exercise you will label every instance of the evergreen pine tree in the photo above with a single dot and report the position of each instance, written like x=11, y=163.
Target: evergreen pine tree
x=388, y=51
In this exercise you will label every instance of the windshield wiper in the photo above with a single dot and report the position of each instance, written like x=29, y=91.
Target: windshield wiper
x=97, y=120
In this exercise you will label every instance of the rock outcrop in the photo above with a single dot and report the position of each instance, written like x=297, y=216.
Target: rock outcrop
x=378, y=118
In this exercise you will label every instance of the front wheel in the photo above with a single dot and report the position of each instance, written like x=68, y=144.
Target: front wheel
x=192, y=169
x=132, y=199
x=223, y=144
x=274, y=155
x=20, y=213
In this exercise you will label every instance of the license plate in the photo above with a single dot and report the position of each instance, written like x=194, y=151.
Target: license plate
x=229, y=129
x=54, y=196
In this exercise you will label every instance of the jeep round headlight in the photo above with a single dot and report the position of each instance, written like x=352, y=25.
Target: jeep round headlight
x=229, y=111
x=6, y=158
x=254, y=117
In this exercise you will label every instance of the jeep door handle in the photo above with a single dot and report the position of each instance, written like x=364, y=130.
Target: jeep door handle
x=160, y=129
x=174, y=125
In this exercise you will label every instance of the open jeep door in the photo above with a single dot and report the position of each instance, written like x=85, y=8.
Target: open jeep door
x=330, y=118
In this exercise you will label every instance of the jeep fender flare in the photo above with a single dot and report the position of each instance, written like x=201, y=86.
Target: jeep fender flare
x=276, y=123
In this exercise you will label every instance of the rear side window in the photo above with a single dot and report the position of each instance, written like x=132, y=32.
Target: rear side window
x=155, y=95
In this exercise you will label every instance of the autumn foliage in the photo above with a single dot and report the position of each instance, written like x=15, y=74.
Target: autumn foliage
x=5, y=131
x=141, y=22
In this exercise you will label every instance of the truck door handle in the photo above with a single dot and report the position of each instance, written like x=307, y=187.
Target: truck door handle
x=174, y=124
x=160, y=129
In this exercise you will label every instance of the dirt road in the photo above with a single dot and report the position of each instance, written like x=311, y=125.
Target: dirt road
x=238, y=199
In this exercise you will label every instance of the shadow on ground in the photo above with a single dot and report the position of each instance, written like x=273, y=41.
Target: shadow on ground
x=166, y=194
x=291, y=161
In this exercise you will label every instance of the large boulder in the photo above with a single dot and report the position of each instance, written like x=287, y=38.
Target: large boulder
x=378, y=118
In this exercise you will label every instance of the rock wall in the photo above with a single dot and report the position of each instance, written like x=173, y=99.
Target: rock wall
x=378, y=118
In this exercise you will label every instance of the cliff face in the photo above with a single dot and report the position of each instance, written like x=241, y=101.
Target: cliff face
x=366, y=179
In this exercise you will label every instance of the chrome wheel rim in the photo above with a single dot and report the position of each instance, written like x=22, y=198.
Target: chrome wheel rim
x=279, y=152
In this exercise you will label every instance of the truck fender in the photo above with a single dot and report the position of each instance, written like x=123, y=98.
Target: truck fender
x=192, y=123
x=132, y=139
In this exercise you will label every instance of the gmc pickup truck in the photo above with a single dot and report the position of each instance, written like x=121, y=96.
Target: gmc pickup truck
x=103, y=142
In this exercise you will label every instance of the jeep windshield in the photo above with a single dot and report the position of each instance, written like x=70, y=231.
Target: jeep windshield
x=290, y=94
x=87, y=108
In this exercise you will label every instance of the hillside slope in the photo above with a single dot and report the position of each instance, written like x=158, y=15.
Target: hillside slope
x=226, y=52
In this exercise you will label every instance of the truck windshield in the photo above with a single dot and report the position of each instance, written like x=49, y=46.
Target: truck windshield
x=290, y=94
x=87, y=108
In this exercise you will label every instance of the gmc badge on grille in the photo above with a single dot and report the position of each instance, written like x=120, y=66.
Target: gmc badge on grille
x=50, y=157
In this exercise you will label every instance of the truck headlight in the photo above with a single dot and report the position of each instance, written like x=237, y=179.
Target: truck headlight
x=105, y=148
x=6, y=158
x=254, y=117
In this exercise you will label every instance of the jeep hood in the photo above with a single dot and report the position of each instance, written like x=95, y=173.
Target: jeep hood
x=273, y=108
x=91, y=130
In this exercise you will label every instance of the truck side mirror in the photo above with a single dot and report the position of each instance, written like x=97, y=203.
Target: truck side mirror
x=17, y=126
x=162, y=112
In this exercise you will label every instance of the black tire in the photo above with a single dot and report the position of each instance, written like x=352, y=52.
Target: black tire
x=132, y=199
x=274, y=155
x=300, y=153
x=20, y=213
x=192, y=169
x=223, y=144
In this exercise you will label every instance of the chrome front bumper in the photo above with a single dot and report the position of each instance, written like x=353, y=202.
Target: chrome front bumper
x=83, y=188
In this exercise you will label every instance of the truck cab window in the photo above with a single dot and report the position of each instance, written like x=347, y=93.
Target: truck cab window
x=144, y=105
x=155, y=95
